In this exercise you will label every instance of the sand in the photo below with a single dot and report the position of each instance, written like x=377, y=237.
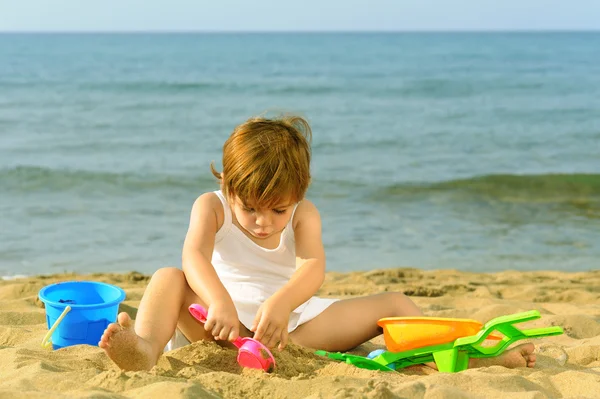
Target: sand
x=567, y=366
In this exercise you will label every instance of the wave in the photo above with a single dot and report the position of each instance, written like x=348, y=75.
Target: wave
x=151, y=87
x=23, y=179
x=124, y=86
x=305, y=89
x=541, y=188
x=418, y=88
x=170, y=87
x=577, y=190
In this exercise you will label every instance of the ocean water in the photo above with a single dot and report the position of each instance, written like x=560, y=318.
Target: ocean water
x=433, y=150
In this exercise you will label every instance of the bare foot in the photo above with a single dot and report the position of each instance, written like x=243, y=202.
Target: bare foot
x=519, y=356
x=125, y=347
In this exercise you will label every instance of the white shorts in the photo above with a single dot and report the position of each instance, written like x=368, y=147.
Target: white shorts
x=178, y=340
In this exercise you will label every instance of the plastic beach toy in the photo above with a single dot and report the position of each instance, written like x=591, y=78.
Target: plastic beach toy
x=251, y=353
x=453, y=356
x=405, y=333
x=78, y=312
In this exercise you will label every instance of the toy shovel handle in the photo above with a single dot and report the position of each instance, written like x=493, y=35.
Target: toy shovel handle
x=198, y=312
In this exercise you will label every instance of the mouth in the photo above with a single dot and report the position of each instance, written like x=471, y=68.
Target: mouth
x=261, y=235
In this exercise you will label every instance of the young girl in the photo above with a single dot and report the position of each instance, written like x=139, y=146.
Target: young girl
x=253, y=256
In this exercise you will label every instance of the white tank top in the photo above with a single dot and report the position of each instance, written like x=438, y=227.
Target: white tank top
x=240, y=261
x=251, y=273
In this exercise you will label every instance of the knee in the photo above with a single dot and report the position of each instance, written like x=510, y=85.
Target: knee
x=395, y=298
x=401, y=305
x=169, y=273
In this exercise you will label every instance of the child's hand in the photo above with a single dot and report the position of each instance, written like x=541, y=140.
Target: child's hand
x=222, y=321
x=271, y=323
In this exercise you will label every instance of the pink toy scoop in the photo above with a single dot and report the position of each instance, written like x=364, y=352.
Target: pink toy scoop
x=251, y=353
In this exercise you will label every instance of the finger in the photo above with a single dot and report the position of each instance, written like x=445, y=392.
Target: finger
x=234, y=333
x=224, y=334
x=209, y=324
x=216, y=329
x=256, y=320
x=284, y=339
x=273, y=340
x=276, y=338
x=260, y=330
x=270, y=336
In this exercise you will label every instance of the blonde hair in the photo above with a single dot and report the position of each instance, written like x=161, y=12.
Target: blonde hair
x=266, y=161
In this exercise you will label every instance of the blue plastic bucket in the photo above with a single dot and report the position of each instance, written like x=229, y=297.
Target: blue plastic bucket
x=81, y=311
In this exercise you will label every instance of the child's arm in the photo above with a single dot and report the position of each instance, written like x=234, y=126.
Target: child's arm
x=200, y=274
x=271, y=321
x=310, y=257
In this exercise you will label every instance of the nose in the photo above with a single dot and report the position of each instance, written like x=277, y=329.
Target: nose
x=262, y=219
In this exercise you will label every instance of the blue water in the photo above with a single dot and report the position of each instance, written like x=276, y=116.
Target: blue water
x=467, y=150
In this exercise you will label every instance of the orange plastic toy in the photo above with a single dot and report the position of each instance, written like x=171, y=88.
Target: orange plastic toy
x=405, y=333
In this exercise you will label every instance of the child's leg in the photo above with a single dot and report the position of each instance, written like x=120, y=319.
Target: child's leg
x=162, y=308
x=350, y=322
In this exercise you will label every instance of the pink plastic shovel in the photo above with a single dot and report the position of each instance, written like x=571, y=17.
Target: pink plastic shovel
x=251, y=353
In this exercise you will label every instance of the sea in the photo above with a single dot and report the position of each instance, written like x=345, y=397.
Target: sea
x=467, y=150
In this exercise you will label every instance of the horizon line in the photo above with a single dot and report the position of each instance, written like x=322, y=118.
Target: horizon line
x=199, y=31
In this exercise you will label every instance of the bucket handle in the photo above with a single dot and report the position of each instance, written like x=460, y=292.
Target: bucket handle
x=46, y=343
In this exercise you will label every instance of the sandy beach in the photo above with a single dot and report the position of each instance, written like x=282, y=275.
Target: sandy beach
x=567, y=365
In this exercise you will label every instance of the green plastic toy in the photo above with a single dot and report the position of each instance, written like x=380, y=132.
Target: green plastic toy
x=454, y=356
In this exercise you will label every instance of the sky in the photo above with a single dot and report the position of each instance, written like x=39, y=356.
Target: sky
x=300, y=15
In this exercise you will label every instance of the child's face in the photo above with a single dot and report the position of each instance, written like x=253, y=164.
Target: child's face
x=263, y=223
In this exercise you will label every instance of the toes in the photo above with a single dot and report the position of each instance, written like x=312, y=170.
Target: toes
x=114, y=327
x=105, y=340
x=531, y=358
x=527, y=349
x=110, y=330
x=124, y=320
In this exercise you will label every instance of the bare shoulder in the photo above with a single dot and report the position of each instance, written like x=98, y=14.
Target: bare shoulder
x=307, y=234
x=208, y=199
x=305, y=212
x=207, y=205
